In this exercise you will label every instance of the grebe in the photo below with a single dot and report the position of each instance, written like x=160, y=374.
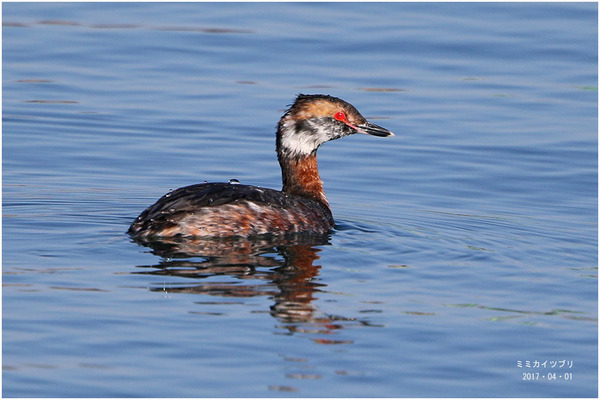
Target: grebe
x=232, y=209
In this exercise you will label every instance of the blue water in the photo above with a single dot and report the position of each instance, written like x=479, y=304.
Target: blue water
x=464, y=259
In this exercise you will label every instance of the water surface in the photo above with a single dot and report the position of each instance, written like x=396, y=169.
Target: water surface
x=464, y=258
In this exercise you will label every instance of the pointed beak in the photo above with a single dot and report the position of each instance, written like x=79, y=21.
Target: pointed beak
x=372, y=129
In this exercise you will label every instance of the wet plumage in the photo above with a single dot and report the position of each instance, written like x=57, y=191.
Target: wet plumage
x=225, y=209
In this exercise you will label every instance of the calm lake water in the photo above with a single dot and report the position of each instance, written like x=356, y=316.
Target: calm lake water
x=464, y=259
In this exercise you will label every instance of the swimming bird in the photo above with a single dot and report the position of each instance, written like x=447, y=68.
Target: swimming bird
x=232, y=209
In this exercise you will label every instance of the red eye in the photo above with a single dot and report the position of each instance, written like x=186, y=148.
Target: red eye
x=340, y=116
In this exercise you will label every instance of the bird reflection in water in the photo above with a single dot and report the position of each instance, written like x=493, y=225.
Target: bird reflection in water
x=284, y=268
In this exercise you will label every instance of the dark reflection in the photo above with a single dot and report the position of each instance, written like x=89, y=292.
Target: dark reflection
x=284, y=267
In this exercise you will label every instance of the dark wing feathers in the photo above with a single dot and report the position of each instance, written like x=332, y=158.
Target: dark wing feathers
x=188, y=199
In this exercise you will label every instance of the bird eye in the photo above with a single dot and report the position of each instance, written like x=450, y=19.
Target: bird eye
x=340, y=116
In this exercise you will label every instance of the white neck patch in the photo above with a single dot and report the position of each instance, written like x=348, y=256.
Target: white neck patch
x=303, y=143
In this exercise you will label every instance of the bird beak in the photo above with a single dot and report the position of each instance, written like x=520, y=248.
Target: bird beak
x=372, y=129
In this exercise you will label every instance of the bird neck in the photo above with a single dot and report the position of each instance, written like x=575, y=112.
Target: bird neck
x=300, y=177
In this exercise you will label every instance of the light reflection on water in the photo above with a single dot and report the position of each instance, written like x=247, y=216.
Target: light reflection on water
x=235, y=270
x=282, y=270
